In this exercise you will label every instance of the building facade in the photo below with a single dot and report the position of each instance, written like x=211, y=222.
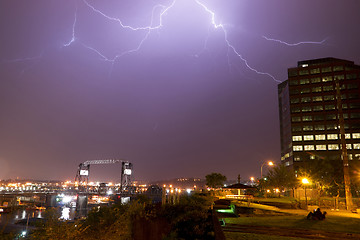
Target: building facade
x=309, y=113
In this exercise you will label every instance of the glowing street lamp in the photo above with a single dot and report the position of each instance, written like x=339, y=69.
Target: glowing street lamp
x=305, y=182
x=269, y=163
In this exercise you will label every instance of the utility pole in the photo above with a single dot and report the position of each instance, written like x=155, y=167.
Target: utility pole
x=344, y=154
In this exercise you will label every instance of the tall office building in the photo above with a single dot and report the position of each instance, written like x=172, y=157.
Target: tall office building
x=309, y=113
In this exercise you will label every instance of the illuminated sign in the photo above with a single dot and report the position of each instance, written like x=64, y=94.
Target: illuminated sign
x=84, y=172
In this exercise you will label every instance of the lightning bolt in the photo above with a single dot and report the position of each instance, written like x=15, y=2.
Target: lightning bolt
x=229, y=45
x=148, y=29
x=294, y=44
x=25, y=58
x=73, y=30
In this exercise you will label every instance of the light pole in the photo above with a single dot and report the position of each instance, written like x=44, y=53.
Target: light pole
x=305, y=181
x=269, y=163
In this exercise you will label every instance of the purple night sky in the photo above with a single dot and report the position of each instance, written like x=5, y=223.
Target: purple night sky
x=179, y=99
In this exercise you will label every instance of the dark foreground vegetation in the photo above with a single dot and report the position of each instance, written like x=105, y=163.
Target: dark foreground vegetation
x=190, y=218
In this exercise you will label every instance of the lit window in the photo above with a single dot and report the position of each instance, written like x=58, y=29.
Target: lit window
x=333, y=146
x=356, y=135
x=296, y=119
x=347, y=136
x=318, y=108
x=326, y=69
x=320, y=137
x=332, y=136
x=316, y=80
x=331, y=126
x=316, y=89
x=297, y=158
x=308, y=137
x=307, y=118
x=306, y=99
x=303, y=72
x=320, y=147
x=297, y=138
x=329, y=97
x=338, y=68
x=328, y=88
x=308, y=128
x=327, y=79
x=319, y=127
x=348, y=146
x=304, y=81
x=317, y=99
x=329, y=107
x=339, y=77
x=309, y=147
x=297, y=148
x=306, y=109
x=315, y=71
x=305, y=90
x=331, y=117
x=295, y=109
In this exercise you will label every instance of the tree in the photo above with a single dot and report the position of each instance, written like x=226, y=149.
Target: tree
x=215, y=180
x=280, y=177
x=328, y=174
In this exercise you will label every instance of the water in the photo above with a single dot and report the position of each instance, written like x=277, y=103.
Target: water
x=18, y=219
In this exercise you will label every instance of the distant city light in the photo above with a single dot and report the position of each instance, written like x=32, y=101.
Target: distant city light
x=67, y=199
x=65, y=213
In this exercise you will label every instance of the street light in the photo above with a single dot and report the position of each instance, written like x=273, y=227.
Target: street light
x=269, y=163
x=305, y=181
